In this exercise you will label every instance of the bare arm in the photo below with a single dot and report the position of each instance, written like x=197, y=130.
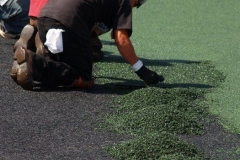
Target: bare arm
x=125, y=46
x=126, y=49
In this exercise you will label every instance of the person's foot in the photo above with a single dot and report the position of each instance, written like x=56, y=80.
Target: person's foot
x=27, y=38
x=8, y=35
x=22, y=71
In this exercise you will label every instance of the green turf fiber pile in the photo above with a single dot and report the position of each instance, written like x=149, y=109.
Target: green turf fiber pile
x=155, y=109
x=157, y=145
x=154, y=120
x=155, y=115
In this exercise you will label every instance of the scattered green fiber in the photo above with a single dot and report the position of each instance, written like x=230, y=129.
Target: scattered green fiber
x=155, y=109
x=161, y=145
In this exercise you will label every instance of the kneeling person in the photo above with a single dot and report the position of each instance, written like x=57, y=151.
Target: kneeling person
x=65, y=28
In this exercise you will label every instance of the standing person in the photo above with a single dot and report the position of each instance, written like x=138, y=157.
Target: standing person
x=65, y=29
x=13, y=17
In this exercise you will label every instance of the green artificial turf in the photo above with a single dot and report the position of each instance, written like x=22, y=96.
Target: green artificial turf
x=192, y=30
x=161, y=145
x=196, y=30
x=195, y=45
x=154, y=109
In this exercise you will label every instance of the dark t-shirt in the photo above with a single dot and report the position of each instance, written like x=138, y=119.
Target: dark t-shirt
x=81, y=16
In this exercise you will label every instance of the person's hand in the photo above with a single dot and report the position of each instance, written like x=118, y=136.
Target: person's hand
x=149, y=76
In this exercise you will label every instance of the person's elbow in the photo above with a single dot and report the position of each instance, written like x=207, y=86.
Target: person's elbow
x=121, y=37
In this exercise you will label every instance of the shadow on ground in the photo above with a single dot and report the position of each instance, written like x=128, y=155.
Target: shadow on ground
x=110, y=57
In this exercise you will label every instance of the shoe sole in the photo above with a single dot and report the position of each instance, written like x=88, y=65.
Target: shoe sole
x=21, y=71
x=27, y=38
x=14, y=69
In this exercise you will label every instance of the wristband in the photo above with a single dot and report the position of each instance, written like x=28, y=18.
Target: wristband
x=137, y=65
